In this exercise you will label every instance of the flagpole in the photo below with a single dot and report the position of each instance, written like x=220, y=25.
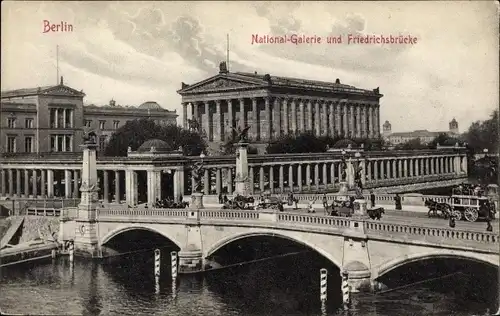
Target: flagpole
x=57, y=64
x=227, y=54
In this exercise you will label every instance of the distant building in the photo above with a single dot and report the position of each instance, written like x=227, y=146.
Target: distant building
x=54, y=119
x=424, y=135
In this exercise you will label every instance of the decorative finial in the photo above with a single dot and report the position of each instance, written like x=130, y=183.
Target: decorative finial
x=62, y=80
x=337, y=81
x=223, y=68
x=129, y=149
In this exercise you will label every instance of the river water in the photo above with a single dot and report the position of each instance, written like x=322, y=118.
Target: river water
x=286, y=286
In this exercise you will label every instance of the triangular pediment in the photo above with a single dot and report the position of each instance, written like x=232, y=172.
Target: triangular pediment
x=220, y=83
x=62, y=90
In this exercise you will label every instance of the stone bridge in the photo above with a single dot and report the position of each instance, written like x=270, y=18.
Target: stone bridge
x=366, y=249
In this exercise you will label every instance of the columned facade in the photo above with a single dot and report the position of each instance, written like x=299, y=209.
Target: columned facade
x=275, y=106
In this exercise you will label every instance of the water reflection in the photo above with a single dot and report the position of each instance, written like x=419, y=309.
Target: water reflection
x=282, y=287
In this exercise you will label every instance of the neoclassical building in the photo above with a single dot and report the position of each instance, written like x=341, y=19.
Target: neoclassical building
x=273, y=106
x=54, y=118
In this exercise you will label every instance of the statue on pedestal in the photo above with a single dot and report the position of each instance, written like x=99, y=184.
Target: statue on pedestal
x=242, y=134
x=198, y=172
x=90, y=138
x=193, y=125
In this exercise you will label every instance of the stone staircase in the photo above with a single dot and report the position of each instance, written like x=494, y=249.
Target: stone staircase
x=13, y=229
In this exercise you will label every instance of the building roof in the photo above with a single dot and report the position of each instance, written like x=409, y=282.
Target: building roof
x=158, y=144
x=240, y=80
x=150, y=105
x=59, y=89
x=417, y=133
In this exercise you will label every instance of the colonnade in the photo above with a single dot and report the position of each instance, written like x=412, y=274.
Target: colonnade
x=147, y=184
x=271, y=117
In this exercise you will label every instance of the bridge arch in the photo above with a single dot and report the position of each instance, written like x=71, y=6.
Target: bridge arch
x=401, y=261
x=119, y=230
x=308, y=243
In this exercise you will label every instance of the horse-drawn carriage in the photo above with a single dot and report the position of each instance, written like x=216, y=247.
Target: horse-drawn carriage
x=169, y=203
x=239, y=202
x=471, y=207
x=271, y=202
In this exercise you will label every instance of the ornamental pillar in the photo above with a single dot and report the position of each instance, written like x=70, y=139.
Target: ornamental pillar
x=345, y=124
x=255, y=121
x=309, y=116
x=242, y=113
x=271, y=179
x=369, y=170
x=325, y=176
x=229, y=181
x=105, y=180
x=261, y=179
x=67, y=184
x=207, y=122
x=131, y=187
x=331, y=120
x=26, y=183
x=184, y=115
x=117, y=187
x=230, y=120
x=358, y=121
x=299, y=177
x=196, y=112
x=332, y=173
x=268, y=133
x=285, y=116
x=218, y=181
x=290, y=177
x=43, y=182
x=281, y=180
x=34, y=184
x=400, y=169
x=308, y=176
x=18, y=182
x=302, y=124
x=294, y=116
x=351, y=120
x=317, y=130
x=375, y=170
x=338, y=118
x=316, y=175
x=277, y=118
x=206, y=182
x=370, y=121
x=218, y=122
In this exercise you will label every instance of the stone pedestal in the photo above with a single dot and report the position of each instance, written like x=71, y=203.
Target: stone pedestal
x=360, y=208
x=190, y=260
x=241, y=179
x=344, y=189
x=87, y=225
x=358, y=277
x=196, y=201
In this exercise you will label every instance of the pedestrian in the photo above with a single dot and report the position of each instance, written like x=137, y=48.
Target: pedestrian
x=221, y=201
x=452, y=222
x=397, y=200
x=181, y=198
x=325, y=201
x=225, y=199
x=372, y=198
x=489, y=228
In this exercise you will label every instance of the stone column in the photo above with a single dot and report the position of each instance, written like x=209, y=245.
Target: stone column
x=369, y=170
x=382, y=170
x=35, y=184
x=277, y=117
x=218, y=181
x=206, y=182
x=230, y=119
x=271, y=179
x=388, y=169
x=331, y=119
x=324, y=130
x=242, y=113
x=286, y=128
x=42, y=182
x=281, y=180
x=229, y=181
x=11, y=182
x=317, y=125
x=337, y=117
x=422, y=169
x=290, y=177
x=405, y=167
x=375, y=170
x=370, y=121
x=105, y=183
x=67, y=184
x=184, y=116
x=131, y=187
x=76, y=181
x=207, y=122
x=394, y=169
x=268, y=119
x=178, y=185
x=400, y=169
x=351, y=120
x=219, y=123
x=255, y=121
x=325, y=175
x=261, y=179
x=316, y=175
x=309, y=116
x=377, y=120
x=117, y=186
x=50, y=183
x=26, y=183
x=302, y=124
x=308, y=176
x=151, y=174
x=345, y=125
x=332, y=173
x=3, y=182
x=358, y=121
x=18, y=182
x=196, y=112
x=427, y=166
x=299, y=177
x=251, y=181
x=294, y=115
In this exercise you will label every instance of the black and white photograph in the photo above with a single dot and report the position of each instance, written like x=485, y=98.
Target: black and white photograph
x=249, y=158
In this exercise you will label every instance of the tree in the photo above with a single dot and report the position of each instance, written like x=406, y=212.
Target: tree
x=302, y=143
x=444, y=139
x=415, y=143
x=228, y=148
x=134, y=133
x=484, y=134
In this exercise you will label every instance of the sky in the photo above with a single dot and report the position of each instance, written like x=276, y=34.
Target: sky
x=134, y=52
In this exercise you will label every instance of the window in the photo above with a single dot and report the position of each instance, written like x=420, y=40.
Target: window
x=116, y=124
x=11, y=122
x=28, y=123
x=28, y=144
x=68, y=142
x=11, y=144
x=102, y=142
x=87, y=123
x=101, y=124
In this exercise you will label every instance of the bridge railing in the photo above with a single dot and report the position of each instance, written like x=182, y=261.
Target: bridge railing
x=144, y=212
x=482, y=240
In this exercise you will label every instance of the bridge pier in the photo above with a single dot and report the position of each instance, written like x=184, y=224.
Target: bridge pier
x=190, y=260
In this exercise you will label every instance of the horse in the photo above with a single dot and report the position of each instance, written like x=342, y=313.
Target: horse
x=435, y=207
x=376, y=213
